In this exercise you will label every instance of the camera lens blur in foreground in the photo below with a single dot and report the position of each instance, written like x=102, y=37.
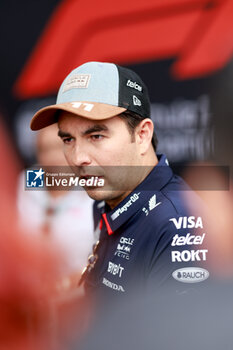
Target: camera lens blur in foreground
x=37, y=307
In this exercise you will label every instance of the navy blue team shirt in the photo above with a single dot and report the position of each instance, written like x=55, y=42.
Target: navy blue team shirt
x=150, y=239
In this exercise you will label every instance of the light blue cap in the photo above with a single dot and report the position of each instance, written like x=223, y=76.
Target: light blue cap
x=93, y=82
x=90, y=91
x=97, y=90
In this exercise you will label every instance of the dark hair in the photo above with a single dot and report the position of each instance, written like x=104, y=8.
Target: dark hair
x=133, y=119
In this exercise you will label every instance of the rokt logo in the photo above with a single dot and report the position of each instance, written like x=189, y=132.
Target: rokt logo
x=190, y=275
x=189, y=255
x=35, y=178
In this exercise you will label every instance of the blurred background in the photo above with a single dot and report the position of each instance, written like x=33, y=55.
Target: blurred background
x=182, y=49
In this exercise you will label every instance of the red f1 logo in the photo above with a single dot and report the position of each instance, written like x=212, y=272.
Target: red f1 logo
x=198, y=34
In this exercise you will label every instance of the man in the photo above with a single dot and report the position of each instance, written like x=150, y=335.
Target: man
x=146, y=238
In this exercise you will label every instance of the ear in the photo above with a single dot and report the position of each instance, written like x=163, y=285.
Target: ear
x=143, y=134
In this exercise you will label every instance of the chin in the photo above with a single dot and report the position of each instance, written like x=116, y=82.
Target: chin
x=96, y=194
x=103, y=195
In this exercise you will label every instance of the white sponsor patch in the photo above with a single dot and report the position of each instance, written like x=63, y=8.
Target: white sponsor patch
x=152, y=202
x=125, y=207
x=190, y=275
x=189, y=255
x=151, y=205
x=86, y=106
x=115, y=269
x=136, y=101
x=187, y=222
x=134, y=85
x=78, y=81
x=112, y=285
x=125, y=240
x=124, y=247
x=187, y=240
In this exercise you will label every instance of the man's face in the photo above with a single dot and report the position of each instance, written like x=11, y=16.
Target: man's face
x=92, y=146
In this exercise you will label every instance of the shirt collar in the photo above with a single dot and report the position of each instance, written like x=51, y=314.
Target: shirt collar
x=155, y=181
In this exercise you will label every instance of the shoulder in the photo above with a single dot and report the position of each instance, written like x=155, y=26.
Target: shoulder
x=167, y=213
x=163, y=205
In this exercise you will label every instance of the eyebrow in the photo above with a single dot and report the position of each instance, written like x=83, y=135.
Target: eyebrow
x=95, y=128
x=63, y=134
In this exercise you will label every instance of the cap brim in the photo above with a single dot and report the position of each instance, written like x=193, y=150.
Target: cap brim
x=91, y=110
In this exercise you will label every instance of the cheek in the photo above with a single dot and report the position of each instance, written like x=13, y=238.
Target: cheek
x=125, y=154
x=68, y=154
x=112, y=156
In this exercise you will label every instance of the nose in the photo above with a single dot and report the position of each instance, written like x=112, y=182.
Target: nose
x=80, y=156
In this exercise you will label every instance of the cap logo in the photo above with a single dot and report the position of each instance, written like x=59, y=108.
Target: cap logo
x=136, y=101
x=134, y=85
x=78, y=81
x=86, y=106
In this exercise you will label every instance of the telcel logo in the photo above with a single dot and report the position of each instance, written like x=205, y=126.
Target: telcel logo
x=187, y=240
x=134, y=85
x=190, y=275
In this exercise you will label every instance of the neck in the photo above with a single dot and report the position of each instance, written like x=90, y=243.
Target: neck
x=136, y=177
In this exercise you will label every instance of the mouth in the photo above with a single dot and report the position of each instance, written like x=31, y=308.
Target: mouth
x=89, y=176
x=93, y=181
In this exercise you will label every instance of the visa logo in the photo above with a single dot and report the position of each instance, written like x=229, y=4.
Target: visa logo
x=187, y=222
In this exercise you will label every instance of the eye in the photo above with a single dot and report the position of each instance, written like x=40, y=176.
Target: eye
x=96, y=137
x=67, y=140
